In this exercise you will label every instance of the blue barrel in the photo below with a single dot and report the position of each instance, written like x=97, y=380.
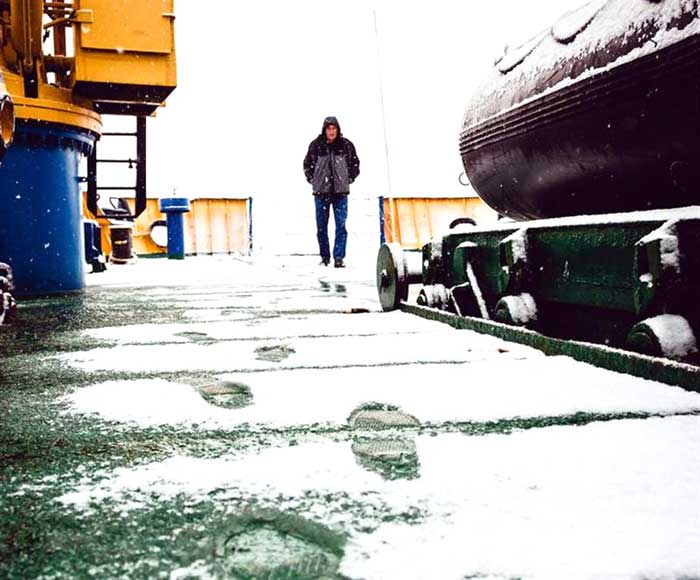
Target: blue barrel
x=40, y=208
x=174, y=209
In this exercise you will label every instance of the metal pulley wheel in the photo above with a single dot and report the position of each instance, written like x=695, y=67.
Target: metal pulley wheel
x=392, y=276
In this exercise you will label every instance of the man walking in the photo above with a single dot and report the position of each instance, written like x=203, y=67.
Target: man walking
x=330, y=166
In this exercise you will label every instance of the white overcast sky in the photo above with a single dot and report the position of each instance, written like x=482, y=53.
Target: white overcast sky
x=256, y=78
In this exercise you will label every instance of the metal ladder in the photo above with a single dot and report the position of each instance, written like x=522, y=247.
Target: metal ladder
x=139, y=189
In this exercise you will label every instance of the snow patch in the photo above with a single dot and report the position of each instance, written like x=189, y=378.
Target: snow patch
x=200, y=569
x=522, y=308
x=625, y=491
x=442, y=345
x=513, y=57
x=569, y=25
x=519, y=245
x=667, y=237
x=314, y=325
x=544, y=56
x=435, y=394
x=649, y=216
x=147, y=402
x=676, y=337
x=436, y=251
x=476, y=289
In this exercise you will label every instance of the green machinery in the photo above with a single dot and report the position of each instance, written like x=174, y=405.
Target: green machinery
x=588, y=132
x=627, y=281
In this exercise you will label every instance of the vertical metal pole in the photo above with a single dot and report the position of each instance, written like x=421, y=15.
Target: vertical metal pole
x=140, y=166
x=92, y=181
x=382, y=237
x=381, y=98
x=59, y=49
x=250, y=226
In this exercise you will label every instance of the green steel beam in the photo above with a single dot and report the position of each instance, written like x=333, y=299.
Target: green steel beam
x=621, y=361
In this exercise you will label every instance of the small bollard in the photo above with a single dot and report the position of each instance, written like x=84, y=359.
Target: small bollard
x=174, y=208
x=121, y=234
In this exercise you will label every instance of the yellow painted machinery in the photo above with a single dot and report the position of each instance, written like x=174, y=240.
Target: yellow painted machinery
x=62, y=64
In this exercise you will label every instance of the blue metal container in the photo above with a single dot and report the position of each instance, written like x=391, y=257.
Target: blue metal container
x=40, y=208
x=174, y=209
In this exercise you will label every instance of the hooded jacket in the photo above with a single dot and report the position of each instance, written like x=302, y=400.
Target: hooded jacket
x=330, y=168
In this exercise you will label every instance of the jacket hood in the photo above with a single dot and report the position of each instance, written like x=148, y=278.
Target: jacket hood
x=330, y=121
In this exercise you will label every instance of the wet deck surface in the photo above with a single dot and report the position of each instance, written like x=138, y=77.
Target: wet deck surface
x=264, y=420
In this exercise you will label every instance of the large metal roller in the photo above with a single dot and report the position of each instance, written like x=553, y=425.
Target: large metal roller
x=396, y=270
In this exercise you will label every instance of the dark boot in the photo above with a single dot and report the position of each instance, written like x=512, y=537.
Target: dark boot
x=339, y=263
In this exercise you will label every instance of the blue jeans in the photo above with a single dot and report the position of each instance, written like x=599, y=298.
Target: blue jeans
x=340, y=214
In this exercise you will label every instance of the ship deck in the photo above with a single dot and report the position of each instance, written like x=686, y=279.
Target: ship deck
x=261, y=418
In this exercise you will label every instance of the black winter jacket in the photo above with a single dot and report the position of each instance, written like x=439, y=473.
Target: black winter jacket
x=331, y=167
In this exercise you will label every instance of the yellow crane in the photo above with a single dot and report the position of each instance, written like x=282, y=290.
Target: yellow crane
x=62, y=65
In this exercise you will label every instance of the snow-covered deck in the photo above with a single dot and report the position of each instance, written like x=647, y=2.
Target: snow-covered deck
x=431, y=452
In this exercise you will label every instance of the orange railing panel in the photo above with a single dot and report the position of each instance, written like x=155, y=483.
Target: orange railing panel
x=213, y=226
x=413, y=221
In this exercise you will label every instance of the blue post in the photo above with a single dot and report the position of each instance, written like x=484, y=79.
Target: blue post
x=174, y=209
x=41, y=235
x=382, y=237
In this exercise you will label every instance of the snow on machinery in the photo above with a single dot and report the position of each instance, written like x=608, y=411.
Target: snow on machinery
x=588, y=136
x=7, y=301
x=63, y=64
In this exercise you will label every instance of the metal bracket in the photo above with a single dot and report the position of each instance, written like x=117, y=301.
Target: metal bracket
x=514, y=254
x=468, y=250
x=83, y=16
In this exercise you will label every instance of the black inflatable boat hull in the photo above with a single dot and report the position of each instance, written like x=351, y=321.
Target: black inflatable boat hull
x=621, y=132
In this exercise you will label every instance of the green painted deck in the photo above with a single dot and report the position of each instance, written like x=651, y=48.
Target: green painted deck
x=231, y=419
